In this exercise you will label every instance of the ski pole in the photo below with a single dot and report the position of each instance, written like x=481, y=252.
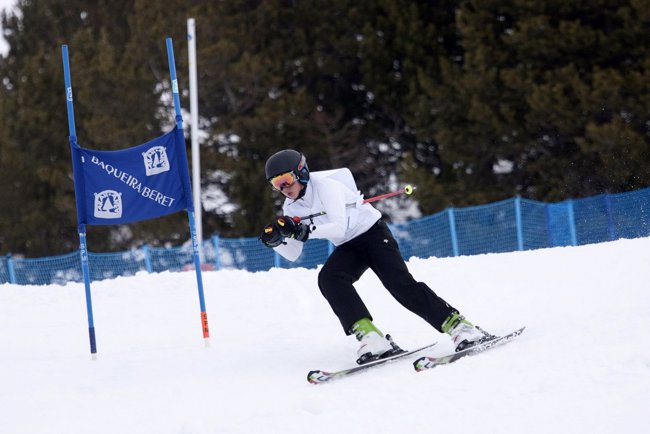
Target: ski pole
x=408, y=190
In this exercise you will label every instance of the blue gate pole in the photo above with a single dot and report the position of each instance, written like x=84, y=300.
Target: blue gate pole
x=83, y=248
x=452, y=230
x=85, y=269
x=520, y=230
x=190, y=212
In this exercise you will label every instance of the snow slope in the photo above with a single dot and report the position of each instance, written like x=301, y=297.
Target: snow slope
x=581, y=366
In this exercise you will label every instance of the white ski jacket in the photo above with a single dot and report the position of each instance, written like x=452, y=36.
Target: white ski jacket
x=347, y=217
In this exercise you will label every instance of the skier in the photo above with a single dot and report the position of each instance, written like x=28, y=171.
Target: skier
x=362, y=240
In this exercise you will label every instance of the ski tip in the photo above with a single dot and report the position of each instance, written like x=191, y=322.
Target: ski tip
x=518, y=331
x=424, y=363
x=421, y=364
x=318, y=377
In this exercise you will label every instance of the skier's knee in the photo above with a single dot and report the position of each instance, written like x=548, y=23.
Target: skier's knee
x=325, y=281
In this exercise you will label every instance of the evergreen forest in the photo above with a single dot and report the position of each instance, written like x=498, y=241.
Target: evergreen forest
x=472, y=101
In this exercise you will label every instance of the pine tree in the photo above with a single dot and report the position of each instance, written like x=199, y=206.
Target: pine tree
x=473, y=101
x=540, y=103
x=116, y=104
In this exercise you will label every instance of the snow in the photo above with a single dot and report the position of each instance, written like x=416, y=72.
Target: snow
x=581, y=366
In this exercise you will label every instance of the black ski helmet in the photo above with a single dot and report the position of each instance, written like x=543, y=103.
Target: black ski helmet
x=285, y=161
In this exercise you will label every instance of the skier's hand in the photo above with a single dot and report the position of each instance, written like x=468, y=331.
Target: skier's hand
x=291, y=228
x=271, y=236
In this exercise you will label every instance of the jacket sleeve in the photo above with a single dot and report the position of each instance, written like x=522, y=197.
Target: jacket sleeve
x=291, y=250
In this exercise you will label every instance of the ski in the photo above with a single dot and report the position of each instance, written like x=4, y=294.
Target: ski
x=319, y=377
x=424, y=363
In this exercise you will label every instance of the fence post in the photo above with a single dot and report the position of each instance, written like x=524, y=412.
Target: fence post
x=550, y=239
x=572, y=223
x=452, y=230
x=330, y=248
x=147, y=258
x=611, y=229
x=10, y=269
x=217, y=252
x=520, y=229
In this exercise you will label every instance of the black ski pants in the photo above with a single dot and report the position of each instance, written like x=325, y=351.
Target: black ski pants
x=376, y=249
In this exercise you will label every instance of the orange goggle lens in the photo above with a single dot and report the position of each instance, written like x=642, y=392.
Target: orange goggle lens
x=283, y=180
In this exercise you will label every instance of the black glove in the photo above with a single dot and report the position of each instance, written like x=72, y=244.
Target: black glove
x=289, y=228
x=271, y=236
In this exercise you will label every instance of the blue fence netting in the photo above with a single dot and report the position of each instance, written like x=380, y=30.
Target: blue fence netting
x=506, y=226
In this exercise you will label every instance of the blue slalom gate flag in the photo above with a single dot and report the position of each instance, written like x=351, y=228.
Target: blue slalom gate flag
x=138, y=183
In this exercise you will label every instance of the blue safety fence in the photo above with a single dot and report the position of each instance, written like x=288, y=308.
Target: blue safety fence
x=510, y=225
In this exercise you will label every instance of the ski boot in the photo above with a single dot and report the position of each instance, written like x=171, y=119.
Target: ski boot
x=463, y=333
x=374, y=345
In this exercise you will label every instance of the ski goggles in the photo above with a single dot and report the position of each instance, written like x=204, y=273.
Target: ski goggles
x=283, y=180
